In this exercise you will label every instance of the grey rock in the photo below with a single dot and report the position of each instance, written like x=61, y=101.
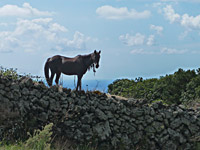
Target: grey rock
x=137, y=112
x=25, y=91
x=166, y=122
x=85, y=128
x=150, y=129
x=187, y=133
x=15, y=87
x=175, y=123
x=2, y=86
x=10, y=95
x=109, y=114
x=36, y=93
x=171, y=132
x=182, y=139
x=43, y=103
x=159, y=117
x=2, y=92
x=185, y=121
x=100, y=114
x=113, y=107
x=164, y=139
x=158, y=126
x=168, y=114
x=87, y=119
x=78, y=135
x=68, y=123
x=155, y=105
x=169, y=145
x=27, y=81
x=102, y=130
x=43, y=117
x=7, y=89
x=152, y=112
x=175, y=114
x=193, y=129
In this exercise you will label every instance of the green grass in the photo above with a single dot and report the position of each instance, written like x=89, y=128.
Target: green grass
x=42, y=140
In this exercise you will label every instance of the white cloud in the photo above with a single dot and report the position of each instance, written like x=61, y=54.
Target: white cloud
x=166, y=50
x=137, y=39
x=158, y=29
x=141, y=51
x=184, y=34
x=190, y=21
x=78, y=41
x=170, y=14
x=25, y=11
x=3, y=24
x=163, y=51
x=187, y=21
x=191, y=1
x=56, y=27
x=110, y=12
x=40, y=34
x=150, y=40
x=158, y=4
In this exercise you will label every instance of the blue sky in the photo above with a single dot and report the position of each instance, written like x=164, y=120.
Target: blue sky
x=138, y=38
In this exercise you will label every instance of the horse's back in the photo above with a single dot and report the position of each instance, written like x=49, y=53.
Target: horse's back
x=56, y=57
x=55, y=61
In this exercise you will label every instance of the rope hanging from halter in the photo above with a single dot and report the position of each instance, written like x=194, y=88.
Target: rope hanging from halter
x=93, y=69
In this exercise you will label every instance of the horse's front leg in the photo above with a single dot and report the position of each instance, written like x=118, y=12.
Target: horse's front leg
x=77, y=86
x=80, y=85
x=79, y=82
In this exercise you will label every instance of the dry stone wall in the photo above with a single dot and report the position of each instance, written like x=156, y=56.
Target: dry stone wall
x=109, y=122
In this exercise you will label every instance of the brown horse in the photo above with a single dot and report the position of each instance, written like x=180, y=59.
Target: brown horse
x=70, y=66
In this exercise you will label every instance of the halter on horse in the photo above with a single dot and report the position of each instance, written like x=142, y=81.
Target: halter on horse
x=71, y=66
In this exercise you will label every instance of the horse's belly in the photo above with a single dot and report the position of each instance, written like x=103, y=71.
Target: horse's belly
x=69, y=73
x=72, y=68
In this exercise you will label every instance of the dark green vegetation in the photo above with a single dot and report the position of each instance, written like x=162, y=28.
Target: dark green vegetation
x=43, y=140
x=14, y=75
x=180, y=87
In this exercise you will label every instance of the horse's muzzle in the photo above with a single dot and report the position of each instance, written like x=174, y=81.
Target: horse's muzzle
x=97, y=65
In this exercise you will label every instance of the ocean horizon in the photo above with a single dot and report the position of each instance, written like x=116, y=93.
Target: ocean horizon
x=89, y=85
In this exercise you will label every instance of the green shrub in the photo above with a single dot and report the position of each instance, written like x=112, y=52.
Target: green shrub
x=11, y=73
x=172, y=89
x=41, y=140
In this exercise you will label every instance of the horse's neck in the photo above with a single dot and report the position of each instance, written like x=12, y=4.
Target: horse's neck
x=87, y=59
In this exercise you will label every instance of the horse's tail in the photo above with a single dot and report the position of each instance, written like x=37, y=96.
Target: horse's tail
x=46, y=71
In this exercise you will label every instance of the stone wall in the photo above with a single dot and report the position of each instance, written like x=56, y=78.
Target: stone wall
x=106, y=121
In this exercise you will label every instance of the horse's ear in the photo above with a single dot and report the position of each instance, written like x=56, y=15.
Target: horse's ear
x=100, y=52
x=95, y=51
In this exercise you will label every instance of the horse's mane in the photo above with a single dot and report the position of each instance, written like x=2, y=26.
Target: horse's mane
x=92, y=65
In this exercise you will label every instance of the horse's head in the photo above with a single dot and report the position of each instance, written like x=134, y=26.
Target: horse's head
x=96, y=58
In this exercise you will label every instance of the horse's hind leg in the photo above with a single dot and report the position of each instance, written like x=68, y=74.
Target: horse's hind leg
x=51, y=78
x=57, y=77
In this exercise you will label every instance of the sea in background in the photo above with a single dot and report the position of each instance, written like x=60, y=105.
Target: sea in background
x=89, y=85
